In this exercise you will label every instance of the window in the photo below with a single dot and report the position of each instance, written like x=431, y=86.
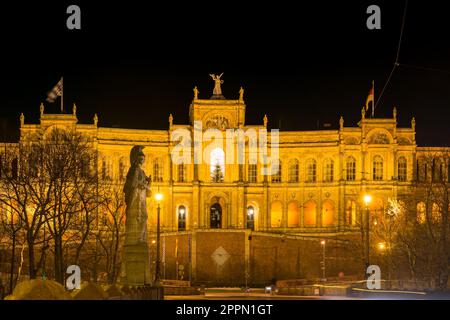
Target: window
x=327, y=213
x=422, y=170
x=293, y=215
x=377, y=168
x=252, y=172
x=121, y=169
x=251, y=218
x=293, y=170
x=329, y=170
x=438, y=170
x=421, y=213
x=351, y=169
x=276, y=176
x=158, y=170
x=181, y=218
x=350, y=213
x=310, y=213
x=276, y=213
x=182, y=173
x=311, y=169
x=402, y=169
x=217, y=165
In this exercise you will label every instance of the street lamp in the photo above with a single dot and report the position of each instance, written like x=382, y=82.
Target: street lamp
x=158, y=197
x=367, y=201
x=323, y=244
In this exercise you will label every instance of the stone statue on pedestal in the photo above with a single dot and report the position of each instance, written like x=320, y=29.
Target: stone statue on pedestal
x=136, y=189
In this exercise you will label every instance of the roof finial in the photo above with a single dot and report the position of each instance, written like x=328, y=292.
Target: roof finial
x=196, y=93
x=95, y=119
x=170, y=120
x=241, y=94
x=413, y=123
x=394, y=113
x=22, y=119
x=41, y=108
x=363, y=113
x=265, y=120
x=74, y=109
x=341, y=123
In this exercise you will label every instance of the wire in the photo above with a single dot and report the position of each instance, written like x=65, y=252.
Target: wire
x=396, y=63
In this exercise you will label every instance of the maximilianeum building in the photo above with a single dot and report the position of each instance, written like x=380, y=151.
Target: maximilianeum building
x=228, y=222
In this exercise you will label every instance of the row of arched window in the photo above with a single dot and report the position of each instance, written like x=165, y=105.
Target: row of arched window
x=310, y=214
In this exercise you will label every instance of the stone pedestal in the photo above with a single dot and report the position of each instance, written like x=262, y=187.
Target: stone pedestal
x=137, y=265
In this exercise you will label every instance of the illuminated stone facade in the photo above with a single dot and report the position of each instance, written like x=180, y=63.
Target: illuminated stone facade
x=319, y=191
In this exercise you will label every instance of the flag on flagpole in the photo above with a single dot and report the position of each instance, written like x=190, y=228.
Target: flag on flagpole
x=55, y=92
x=370, y=98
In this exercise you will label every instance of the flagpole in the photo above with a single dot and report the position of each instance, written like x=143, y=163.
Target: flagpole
x=62, y=95
x=373, y=102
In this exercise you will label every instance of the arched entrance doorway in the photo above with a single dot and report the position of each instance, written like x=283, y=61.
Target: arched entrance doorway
x=215, y=216
x=181, y=218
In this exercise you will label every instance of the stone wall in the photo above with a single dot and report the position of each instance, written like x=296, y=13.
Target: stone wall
x=226, y=257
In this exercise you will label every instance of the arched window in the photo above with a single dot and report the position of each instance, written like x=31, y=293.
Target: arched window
x=350, y=211
x=327, y=213
x=311, y=170
x=276, y=175
x=158, y=170
x=328, y=174
x=421, y=212
x=181, y=218
x=402, y=169
x=310, y=213
x=436, y=215
x=293, y=215
x=293, y=170
x=377, y=168
x=251, y=218
x=217, y=165
x=351, y=169
x=276, y=213
x=215, y=217
x=182, y=172
x=252, y=172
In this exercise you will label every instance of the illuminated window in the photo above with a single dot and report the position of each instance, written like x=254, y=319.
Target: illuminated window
x=293, y=215
x=181, y=218
x=421, y=213
x=436, y=214
x=276, y=175
x=158, y=170
x=252, y=172
x=293, y=170
x=182, y=173
x=327, y=213
x=377, y=168
x=276, y=213
x=328, y=170
x=217, y=165
x=351, y=169
x=250, y=217
x=310, y=213
x=402, y=169
x=311, y=170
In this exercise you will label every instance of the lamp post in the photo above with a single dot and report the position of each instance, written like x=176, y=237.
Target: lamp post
x=323, y=244
x=158, y=197
x=367, y=201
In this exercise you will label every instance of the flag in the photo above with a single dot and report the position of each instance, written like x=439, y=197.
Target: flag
x=55, y=92
x=370, y=98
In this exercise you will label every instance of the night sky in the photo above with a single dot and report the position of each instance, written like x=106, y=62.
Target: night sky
x=303, y=64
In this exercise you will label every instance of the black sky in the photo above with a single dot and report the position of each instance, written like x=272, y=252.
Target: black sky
x=302, y=63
